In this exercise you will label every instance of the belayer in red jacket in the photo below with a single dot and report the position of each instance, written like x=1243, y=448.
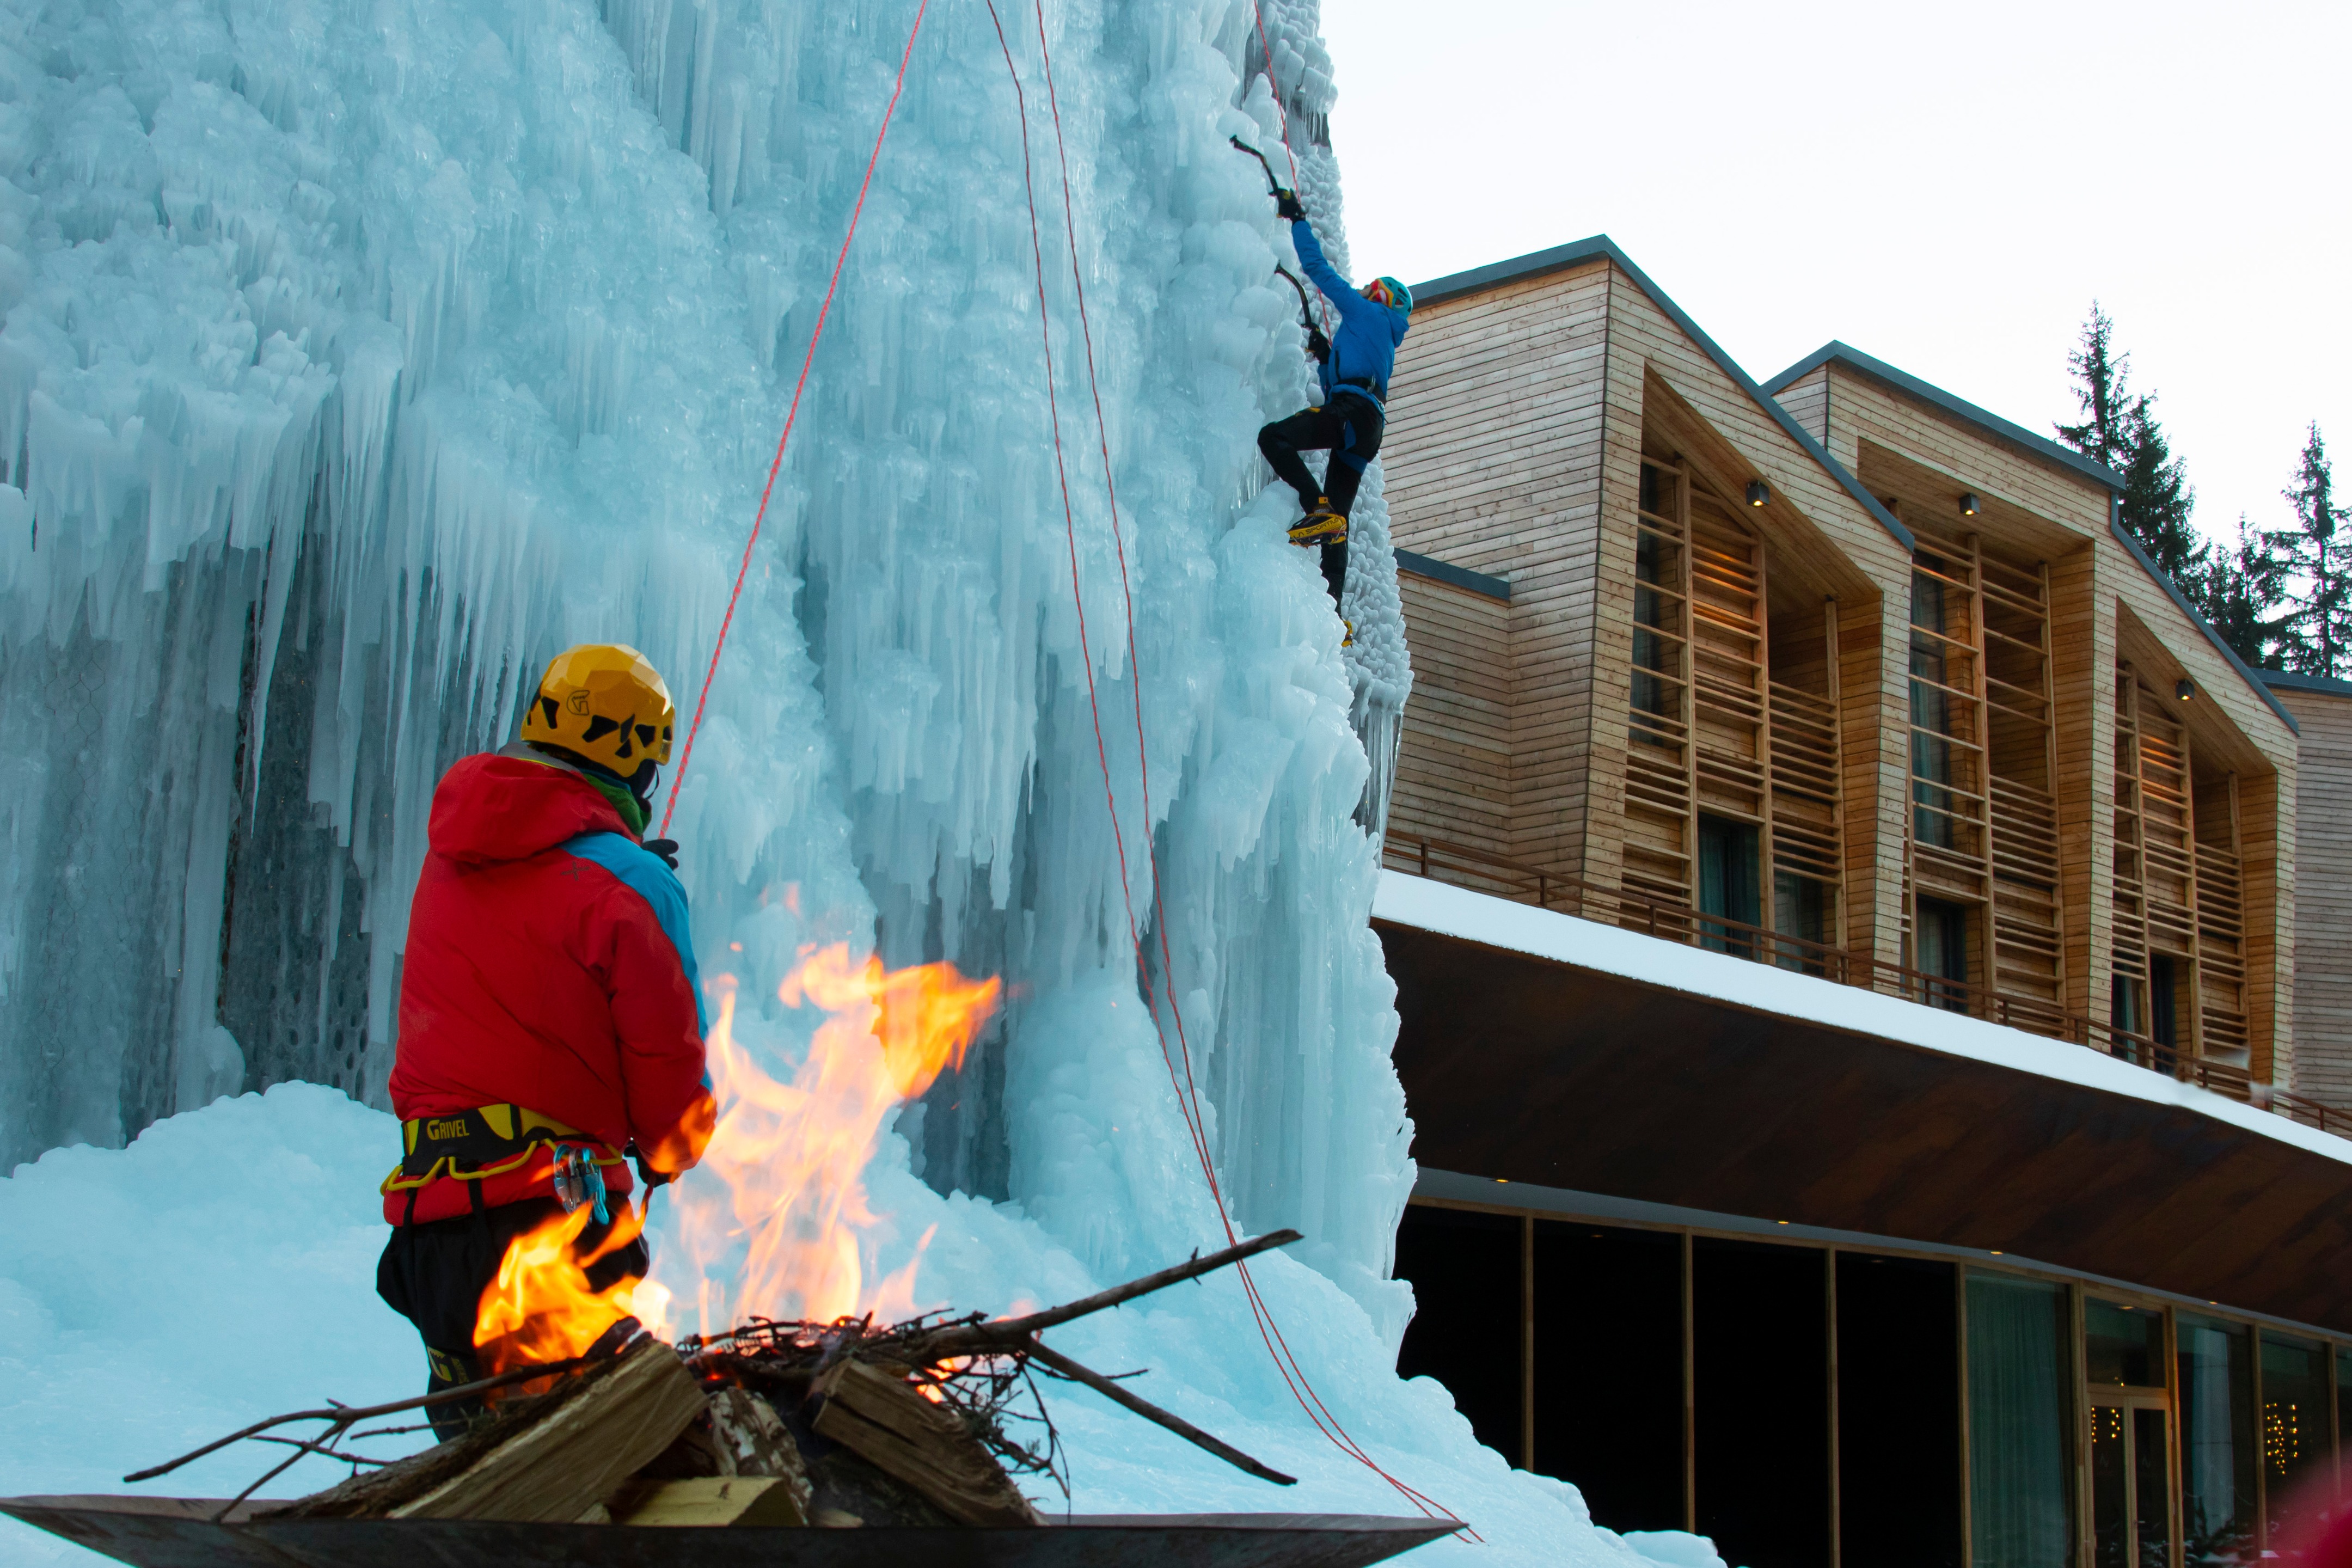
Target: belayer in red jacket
x=551, y=1017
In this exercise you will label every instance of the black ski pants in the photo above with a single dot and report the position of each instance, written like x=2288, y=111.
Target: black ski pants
x=433, y=1275
x=1349, y=427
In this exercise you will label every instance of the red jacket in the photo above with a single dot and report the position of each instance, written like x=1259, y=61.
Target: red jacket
x=548, y=966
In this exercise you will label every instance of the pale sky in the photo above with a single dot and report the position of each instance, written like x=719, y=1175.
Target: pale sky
x=1947, y=188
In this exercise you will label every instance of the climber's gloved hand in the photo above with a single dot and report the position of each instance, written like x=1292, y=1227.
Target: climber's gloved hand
x=649, y=1177
x=665, y=848
x=1286, y=204
x=1319, y=345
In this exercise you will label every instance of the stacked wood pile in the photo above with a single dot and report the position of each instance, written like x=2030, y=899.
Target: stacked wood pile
x=794, y=1424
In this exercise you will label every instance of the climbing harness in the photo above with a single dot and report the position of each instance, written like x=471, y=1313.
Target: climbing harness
x=471, y=1146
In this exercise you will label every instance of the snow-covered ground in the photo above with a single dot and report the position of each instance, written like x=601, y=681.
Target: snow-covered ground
x=223, y=1267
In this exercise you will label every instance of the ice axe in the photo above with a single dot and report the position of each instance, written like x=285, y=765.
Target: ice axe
x=1317, y=344
x=1272, y=185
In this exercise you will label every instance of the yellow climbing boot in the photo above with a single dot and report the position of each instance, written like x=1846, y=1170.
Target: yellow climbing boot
x=1321, y=526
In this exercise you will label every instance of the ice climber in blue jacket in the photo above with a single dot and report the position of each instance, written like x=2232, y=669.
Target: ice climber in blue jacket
x=1355, y=363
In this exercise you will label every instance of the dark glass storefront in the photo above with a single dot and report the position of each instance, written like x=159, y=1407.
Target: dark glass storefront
x=1811, y=1406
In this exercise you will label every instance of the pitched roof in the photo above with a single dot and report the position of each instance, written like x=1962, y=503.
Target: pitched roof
x=2033, y=445
x=1993, y=424
x=1560, y=257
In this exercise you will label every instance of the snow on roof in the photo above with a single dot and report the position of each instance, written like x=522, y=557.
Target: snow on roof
x=1491, y=922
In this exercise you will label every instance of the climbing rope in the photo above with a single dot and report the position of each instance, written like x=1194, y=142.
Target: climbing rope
x=792, y=414
x=1182, y=1080
x=1182, y=1076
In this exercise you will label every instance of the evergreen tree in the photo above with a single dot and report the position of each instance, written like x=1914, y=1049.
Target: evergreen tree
x=2100, y=377
x=2119, y=429
x=2240, y=596
x=2319, y=558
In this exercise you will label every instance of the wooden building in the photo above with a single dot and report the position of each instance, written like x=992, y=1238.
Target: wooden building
x=2323, y=868
x=1845, y=677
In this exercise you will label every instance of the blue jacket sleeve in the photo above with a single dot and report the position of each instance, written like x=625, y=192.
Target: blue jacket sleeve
x=1351, y=306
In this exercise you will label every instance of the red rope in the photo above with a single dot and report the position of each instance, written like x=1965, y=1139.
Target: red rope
x=791, y=415
x=1061, y=471
x=1186, y=1087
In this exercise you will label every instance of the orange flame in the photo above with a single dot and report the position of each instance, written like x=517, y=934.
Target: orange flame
x=541, y=1307
x=790, y=1159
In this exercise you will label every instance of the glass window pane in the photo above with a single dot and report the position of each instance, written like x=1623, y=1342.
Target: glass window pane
x=2110, y=1488
x=2020, y=1500
x=2121, y=1346
x=2151, y=1490
x=2295, y=1420
x=2217, y=1442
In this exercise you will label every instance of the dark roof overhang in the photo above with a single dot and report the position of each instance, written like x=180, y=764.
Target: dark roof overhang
x=1533, y=1070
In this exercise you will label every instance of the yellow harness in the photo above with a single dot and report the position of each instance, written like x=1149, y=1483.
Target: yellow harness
x=487, y=1141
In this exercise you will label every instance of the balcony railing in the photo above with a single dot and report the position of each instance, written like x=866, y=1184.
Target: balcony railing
x=1630, y=910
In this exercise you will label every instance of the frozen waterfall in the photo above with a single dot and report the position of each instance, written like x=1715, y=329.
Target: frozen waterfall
x=359, y=356
x=356, y=359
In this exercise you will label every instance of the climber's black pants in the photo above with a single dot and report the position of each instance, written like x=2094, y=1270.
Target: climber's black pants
x=433, y=1275
x=1349, y=427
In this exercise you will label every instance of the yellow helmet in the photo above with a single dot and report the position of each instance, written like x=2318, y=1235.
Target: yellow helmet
x=602, y=703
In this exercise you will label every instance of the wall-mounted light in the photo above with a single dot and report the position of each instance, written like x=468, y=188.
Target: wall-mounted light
x=1757, y=494
x=2185, y=690
x=1968, y=503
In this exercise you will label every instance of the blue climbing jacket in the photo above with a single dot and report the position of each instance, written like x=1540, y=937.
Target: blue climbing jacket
x=1364, y=344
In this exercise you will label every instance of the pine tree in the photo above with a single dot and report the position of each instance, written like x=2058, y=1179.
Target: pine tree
x=2319, y=558
x=2120, y=430
x=2240, y=596
x=2100, y=375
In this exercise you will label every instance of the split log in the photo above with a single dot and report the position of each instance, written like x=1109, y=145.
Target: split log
x=709, y=1501
x=558, y=1467
x=923, y=1446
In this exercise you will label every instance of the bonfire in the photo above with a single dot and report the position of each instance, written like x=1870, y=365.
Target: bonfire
x=833, y=1417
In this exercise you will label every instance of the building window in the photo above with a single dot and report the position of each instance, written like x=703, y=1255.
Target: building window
x=2163, y=1018
x=1657, y=616
x=1464, y=1269
x=2020, y=1497
x=2295, y=1422
x=1804, y=907
x=1728, y=854
x=2217, y=1442
x=1933, y=802
x=1942, y=950
x=2126, y=1013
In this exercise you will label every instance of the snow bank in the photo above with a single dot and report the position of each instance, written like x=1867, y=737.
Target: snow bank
x=220, y=1269
x=223, y=1267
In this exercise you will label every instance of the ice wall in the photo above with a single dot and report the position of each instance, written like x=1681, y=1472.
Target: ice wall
x=357, y=359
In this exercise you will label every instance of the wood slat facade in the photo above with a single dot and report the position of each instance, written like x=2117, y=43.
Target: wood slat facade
x=1961, y=752
x=2323, y=864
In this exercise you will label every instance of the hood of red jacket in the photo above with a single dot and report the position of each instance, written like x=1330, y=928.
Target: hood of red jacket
x=490, y=809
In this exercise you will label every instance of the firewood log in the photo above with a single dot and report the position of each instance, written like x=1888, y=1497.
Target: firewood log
x=706, y=1500
x=555, y=1470
x=923, y=1446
